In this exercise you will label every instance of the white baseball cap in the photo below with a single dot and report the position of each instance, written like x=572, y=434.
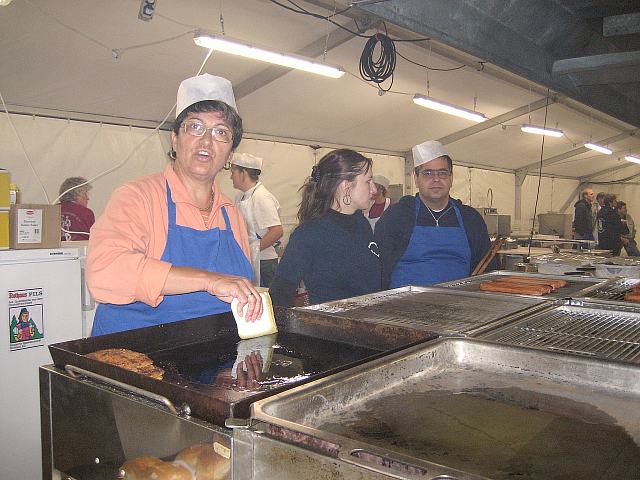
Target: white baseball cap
x=381, y=180
x=247, y=160
x=204, y=87
x=427, y=151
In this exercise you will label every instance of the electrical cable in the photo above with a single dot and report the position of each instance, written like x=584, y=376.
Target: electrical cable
x=535, y=208
x=378, y=69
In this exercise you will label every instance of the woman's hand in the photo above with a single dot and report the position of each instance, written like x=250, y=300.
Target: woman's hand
x=228, y=287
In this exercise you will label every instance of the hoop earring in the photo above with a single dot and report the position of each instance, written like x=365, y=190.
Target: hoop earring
x=346, y=199
x=172, y=154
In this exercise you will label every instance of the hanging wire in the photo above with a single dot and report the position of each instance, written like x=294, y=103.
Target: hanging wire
x=378, y=69
x=535, y=208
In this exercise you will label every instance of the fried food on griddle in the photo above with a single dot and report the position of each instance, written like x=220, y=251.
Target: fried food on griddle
x=129, y=360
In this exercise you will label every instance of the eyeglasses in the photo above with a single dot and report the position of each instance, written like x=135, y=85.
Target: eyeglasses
x=440, y=173
x=196, y=128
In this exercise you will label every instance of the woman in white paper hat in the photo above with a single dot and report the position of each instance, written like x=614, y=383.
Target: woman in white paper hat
x=430, y=238
x=380, y=202
x=170, y=246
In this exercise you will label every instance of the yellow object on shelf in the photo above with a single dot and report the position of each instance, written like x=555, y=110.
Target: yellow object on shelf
x=4, y=188
x=4, y=229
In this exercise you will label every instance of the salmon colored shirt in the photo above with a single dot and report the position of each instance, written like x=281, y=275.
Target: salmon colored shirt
x=127, y=241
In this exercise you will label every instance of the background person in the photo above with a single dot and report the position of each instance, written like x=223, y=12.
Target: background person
x=610, y=227
x=332, y=249
x=260, y=210
x=76, y=217
x=380, y=202
x=628, y=239
x=170, y=246
x=431, y=237
x=583, y=219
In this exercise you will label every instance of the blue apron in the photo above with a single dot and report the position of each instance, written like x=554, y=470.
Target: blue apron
x=434, y=254
x=214, y=250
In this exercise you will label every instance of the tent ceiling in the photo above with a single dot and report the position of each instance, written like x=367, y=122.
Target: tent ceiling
x=58, y=58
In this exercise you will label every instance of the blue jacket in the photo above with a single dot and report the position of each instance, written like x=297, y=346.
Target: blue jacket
x=395, y=227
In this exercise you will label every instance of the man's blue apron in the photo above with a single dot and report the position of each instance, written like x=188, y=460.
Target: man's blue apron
x=214, y=250
x=434, y=254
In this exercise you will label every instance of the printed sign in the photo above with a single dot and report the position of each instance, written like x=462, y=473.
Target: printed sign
x=26, y=318
x=29, y=225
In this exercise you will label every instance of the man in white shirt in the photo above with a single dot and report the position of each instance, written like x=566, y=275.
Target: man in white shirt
x=260, y=210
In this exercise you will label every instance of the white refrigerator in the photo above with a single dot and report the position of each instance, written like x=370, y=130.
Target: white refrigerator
x=41, y=303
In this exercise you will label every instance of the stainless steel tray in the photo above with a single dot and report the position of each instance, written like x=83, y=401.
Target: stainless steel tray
x=576, y=285
x=441, y=311
x=483, y=409
x=597, y=329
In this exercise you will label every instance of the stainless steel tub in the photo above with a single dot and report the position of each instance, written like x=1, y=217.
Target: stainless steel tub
x=483, y=410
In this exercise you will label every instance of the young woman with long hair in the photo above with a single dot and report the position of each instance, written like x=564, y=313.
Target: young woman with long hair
x=332, y=250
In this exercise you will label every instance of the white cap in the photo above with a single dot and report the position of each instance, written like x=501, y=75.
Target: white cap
x=204, y=87
x=381, y=180
x=247, y=160
x=427, y=151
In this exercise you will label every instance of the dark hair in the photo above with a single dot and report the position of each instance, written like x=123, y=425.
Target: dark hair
x=620, y=204
x=600, y=195
x=319, y=191
x=609, y=200
x=228, y=113
x=254, y=173
x=449, y=165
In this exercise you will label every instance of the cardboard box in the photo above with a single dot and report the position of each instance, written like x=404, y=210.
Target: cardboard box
x=5, y=180
x=4, y=229
x=34, y=226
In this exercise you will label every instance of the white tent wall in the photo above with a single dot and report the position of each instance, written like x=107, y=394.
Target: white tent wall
x=61, y=148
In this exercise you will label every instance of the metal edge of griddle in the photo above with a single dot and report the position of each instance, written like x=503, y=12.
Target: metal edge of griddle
x=579, y=370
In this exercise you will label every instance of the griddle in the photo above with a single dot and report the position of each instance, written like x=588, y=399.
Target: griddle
x=597, y=329
x=576, y=286
x=198, y=356
x=435, y=310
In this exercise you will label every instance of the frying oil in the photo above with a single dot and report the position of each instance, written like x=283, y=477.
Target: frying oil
x=498, y=433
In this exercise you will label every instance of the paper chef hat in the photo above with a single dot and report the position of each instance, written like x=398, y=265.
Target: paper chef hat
x=204, y=87
x=381, y=180
x=427, y=151
x=247, y=160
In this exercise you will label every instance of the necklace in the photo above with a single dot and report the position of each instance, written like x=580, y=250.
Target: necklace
x=205, y=212
x=437, y=220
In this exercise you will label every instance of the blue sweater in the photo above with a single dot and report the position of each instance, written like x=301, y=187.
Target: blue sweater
x=394, y=229
x=335, y=257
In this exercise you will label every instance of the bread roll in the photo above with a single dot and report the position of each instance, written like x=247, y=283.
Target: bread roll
x=152, y=468
x=205, y=462
x=137, y=468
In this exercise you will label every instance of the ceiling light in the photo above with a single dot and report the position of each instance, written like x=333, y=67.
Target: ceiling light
x=551, y=132
x=599, y=148
x=238, y=47
x=633, y=159
x=448, y=108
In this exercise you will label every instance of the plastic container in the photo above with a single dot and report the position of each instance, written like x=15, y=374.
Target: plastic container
x=14, y=194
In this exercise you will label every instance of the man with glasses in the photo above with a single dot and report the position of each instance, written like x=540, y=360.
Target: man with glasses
x=171, y=246
x=430, y=238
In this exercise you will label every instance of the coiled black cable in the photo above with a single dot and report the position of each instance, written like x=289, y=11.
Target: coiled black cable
x=380, y=69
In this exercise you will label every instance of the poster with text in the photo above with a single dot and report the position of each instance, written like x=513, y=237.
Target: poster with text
x=26, y=318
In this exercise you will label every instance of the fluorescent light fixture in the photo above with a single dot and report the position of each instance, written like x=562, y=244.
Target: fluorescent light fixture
x=633, y=159
x=599, y=148
x=448, y=108
x=551, y=132
x=238, y=47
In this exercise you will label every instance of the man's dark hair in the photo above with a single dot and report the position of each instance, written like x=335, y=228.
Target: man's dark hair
x=254, y=173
